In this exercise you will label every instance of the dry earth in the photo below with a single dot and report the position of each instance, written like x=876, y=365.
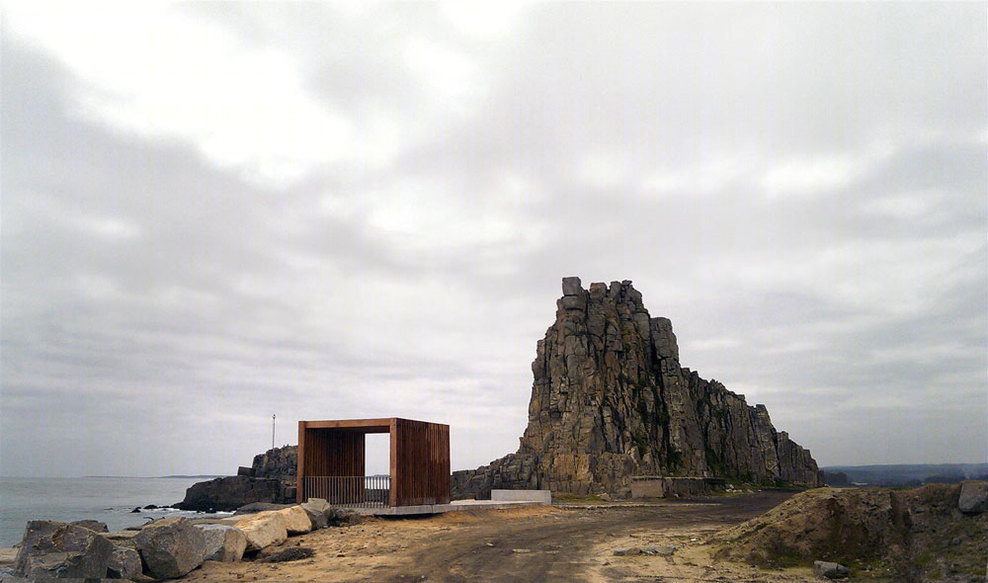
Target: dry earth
x=571, y=543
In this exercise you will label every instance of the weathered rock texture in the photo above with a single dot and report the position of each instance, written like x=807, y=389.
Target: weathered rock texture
x=171, y=547
x=610, y=401
x=918, y=535
x=56, y=550
x=280, y=463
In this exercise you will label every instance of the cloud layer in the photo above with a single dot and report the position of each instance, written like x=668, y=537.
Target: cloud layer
x=217, y=212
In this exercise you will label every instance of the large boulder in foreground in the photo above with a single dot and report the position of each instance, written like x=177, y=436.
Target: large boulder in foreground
x=263, y=530
x=171, y=547
x=230, y=493
x=297, y=520
x=56, y=550
x=223, y=543
x=973, y=498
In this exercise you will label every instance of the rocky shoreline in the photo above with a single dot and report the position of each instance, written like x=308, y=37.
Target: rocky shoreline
x=164, y=549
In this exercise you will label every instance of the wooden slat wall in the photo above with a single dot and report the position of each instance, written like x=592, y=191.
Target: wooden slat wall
x=420, y=463
x=419, y=456
x=328, y=452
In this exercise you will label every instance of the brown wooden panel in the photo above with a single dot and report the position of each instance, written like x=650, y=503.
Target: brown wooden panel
x=419, y=456
x=421, y=473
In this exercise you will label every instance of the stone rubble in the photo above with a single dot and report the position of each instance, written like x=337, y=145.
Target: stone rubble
x=610, y=400
x=165, y=549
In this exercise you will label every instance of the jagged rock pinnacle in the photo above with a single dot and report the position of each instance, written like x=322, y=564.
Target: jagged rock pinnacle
x=610, y=400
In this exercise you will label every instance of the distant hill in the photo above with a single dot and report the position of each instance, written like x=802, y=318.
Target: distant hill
x=193, y=477
x=903, y=475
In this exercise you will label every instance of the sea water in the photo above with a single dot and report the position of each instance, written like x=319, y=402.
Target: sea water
x=106, y=499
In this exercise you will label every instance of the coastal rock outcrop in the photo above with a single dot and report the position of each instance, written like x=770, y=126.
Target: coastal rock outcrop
x=230, y=493
x=280, y=463
x=610, y=401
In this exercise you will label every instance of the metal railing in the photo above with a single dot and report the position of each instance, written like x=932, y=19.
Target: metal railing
x=349, y=491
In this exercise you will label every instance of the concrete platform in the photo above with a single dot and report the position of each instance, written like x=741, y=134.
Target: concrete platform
x=454, y=506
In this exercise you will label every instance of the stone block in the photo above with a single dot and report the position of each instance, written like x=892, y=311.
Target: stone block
x=297, y=520
x=223, y=543
x=56, y=550
x=263, y=530
x=572, y=286
x=125, y=563
x=974, y=497
x=171, y=547
x=317, y=508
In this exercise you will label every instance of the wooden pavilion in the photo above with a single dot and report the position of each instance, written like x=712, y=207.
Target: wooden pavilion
x=331, y=463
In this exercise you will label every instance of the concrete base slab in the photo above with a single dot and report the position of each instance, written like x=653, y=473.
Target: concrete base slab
x=441, y=508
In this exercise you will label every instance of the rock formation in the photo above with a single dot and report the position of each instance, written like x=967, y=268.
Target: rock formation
x=610, y=401
x=271, y=478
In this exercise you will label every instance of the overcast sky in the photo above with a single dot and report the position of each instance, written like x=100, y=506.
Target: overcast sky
x=216, y=212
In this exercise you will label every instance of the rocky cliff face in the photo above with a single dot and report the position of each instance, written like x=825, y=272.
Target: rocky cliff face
x=610, y=401
x=280, y=463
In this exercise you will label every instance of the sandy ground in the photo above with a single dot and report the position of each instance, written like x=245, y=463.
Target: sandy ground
x=571, y=543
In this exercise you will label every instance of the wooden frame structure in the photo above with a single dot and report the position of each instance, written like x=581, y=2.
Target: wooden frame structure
x=419, y=472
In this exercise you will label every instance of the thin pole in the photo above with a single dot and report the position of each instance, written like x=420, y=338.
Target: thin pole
x=272, y=432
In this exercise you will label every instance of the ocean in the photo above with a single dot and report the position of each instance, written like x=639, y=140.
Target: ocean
x=107, y=499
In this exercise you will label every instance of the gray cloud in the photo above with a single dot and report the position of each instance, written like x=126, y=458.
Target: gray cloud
x=799, y=188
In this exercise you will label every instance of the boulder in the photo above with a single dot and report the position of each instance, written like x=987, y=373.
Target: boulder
x=125, y=563
x=223, y=543
x=830, y=570
x=230, y=493
x=56, y=550
x=297, y=520
x=974, y=497
x=245, y=471
x=263, y=530
x=170, y=547
x=317, y=508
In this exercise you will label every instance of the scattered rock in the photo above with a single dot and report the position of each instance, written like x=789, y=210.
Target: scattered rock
x=297, y=520
x=627, y=552
x=170, y=547
x=51, y=550
x=666, y=551
x=93, y=525
x=151, y=507
x=974, y=497
x=830, y=570
x=263, y=530
x=289, y=554
x=124, y=563
x=222, y=543
x=317, y=509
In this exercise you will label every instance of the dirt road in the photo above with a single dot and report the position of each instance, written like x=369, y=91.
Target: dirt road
x=573, y=543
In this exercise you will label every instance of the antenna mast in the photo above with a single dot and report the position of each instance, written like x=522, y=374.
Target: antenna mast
x=272, y=431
